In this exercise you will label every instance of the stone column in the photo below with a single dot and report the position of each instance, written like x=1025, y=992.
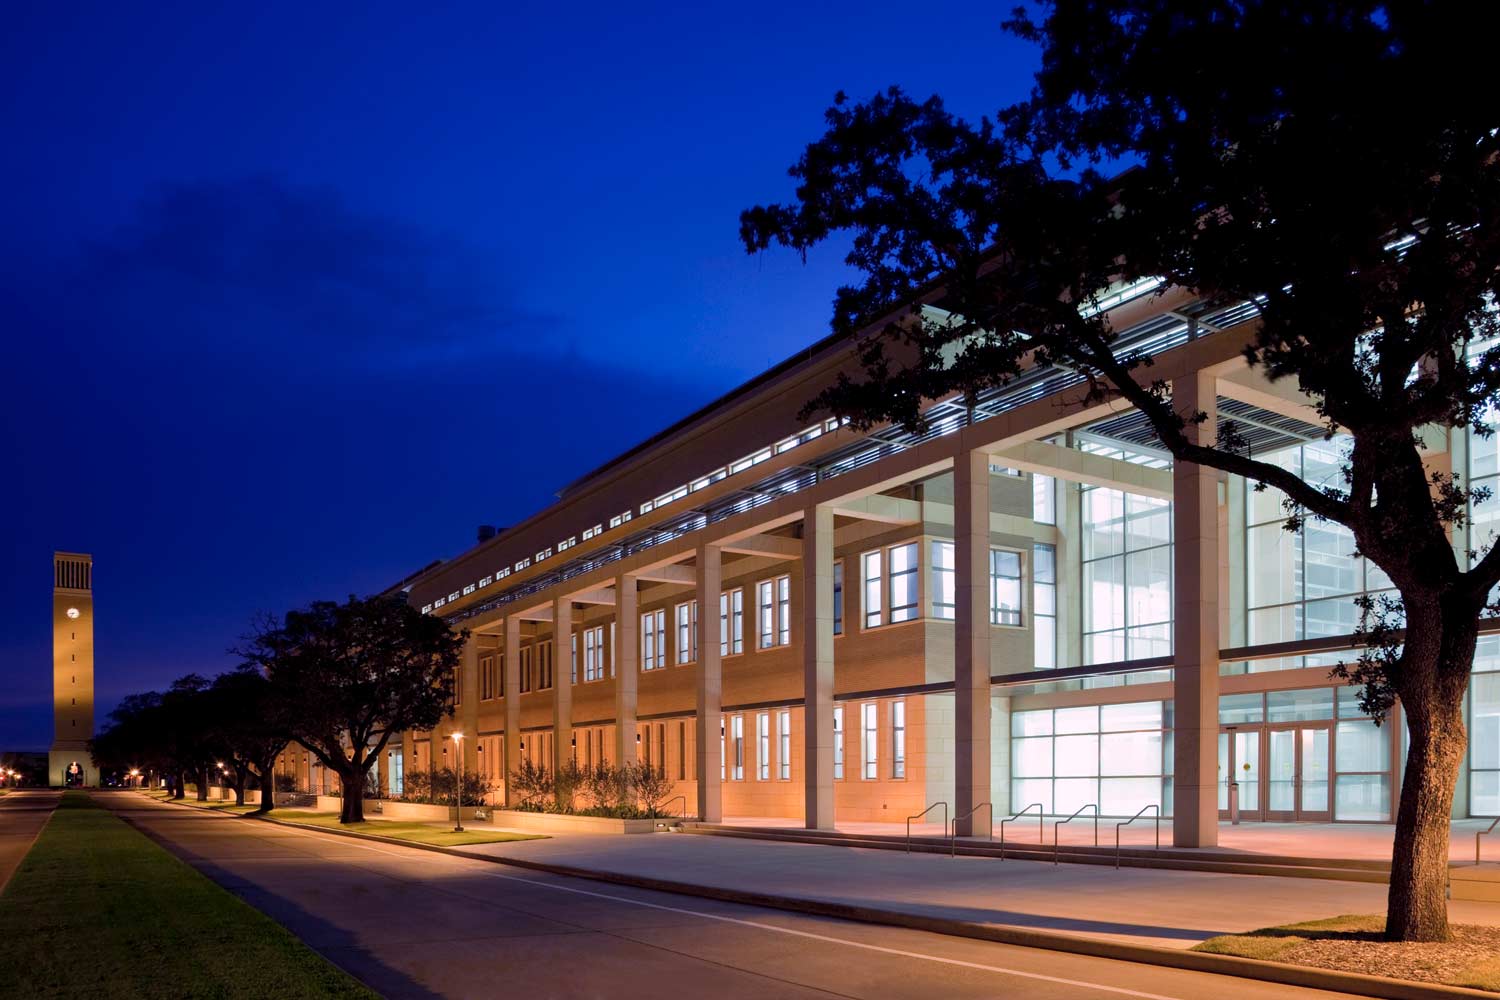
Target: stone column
x=408, y=755
x=562, y=681
x=512, y=684
x=468, y=709
x=817, y=666
x=710, y=684
x=1195, y=625
x=971, y=637
x=627, y=660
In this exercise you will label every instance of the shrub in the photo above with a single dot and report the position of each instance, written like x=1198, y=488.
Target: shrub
x=285, y=783
x=532, y=785
x=436, y=787
x=605, y=790
x=651, y=786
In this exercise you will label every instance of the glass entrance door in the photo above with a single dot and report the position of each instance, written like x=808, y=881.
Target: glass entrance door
x=1239, y=760
x=1297, y=773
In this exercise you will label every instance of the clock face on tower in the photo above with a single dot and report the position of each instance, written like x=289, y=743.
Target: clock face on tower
x=72, y=612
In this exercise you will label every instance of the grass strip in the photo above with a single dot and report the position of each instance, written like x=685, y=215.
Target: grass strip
x=97, y=909
x=416, y=833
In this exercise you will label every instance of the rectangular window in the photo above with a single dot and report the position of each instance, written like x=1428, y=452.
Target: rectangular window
x=874, y=606
x=573, y=658
x=1005, y=587
x=898, y=739
x=722, y=758
x=903, y=584
x=500, y=674
x=838, y=743
x=763, y=746
x=838, y=598
x=654, y=640
x=869, y=743
x=458, y=684
x=1044, y=606
x=784, y=611
x=1043, y=499
x=774, y=601
x=784, y=745
x=731, y=622
x=528, y=654
x=687, y=632
x=682, y=751
x=739, y=748
x=544, y=665
x=593, y=653
x=486, y=678
x=944, y=592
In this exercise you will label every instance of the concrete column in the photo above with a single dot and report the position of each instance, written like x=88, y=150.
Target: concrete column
x=710, y=684
x=408, y=754
x=971, y=636
x=627, y=654
x=1195, y=626
x=512, y=703
x=468, y=708
x=817, y=666
x=562, y=681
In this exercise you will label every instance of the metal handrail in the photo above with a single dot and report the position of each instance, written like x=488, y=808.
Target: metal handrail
x=1132, y=820
x=1063, y=822
x=1481, y=833
x=681, y=815
x=919, y=815
x=989, y=830
x=1041, y=826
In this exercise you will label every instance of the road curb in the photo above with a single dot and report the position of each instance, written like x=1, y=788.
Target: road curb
x=1193, y=961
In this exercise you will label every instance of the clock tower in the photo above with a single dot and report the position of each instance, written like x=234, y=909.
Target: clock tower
x=68, y=762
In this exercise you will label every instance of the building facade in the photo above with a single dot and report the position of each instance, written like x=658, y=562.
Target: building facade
x=68, y=760
x=1030, y=606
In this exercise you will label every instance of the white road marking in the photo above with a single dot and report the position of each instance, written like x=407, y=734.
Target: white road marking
x=1059, y=980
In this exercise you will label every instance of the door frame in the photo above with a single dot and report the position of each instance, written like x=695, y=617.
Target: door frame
x=1297, y=814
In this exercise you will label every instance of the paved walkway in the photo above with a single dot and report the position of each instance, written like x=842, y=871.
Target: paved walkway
x=22, y=816
x=1352, y=841
x=1136, y=905
x=417, y=924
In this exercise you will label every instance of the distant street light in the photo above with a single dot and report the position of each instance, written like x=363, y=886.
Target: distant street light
x=458, y=783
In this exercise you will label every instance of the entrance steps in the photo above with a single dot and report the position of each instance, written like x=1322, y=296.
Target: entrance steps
x=1133, y=856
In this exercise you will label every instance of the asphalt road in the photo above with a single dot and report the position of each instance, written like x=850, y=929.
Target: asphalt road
x=412, y=923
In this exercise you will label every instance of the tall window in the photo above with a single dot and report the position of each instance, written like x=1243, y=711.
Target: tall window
x=1043, y=499
x=731, y=622
x=544, y=665
x=944, y=592
x=838, y=742
x=870, y=742
x=687, y=632
x=739, y=747
x=528, y=655
x=1044, y=605
x=774, y=602
x=838, y=598
x=1005, y=587
x=593, y=653
x=654, y=640
x=763, y=746
x=500, y=674
x=723, y=759
x=573, y=658
x=486, y=678
x=681, y=751
x=904, y=587
x=898, y=739
x=784, y=745
x=458, y=684
x=1127, y=576
x=870, y=573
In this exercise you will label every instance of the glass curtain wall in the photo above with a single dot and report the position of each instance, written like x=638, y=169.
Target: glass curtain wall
x=1113, y=756
x=1126, y=579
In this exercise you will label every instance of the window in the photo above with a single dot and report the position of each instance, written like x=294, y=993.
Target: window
x=763, y=746
x=944, y=594
x=528, y=655
x=682, y=751
x=1043, y=499
x=838, y=743
x=731, y=622
x=593, y=653
x=1005, y=587
x=1115, y=756
x=458, y=684
x=873, y=604
x=573, y=658
x=868, y=743
x=784, y=745
x=903, y=589
x=544, y=665
x=500, y=674
x=838, y=598
x=687, y=632
x=739, y=747
x=1044, y=606
x=654, y=640
x=486, y=678
x=898, y=739
x=774, y=598
x=1127, y=577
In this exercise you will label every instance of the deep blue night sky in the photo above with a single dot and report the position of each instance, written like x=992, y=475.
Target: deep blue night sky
x=292, y=299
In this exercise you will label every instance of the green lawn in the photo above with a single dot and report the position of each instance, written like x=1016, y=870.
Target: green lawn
x=418, y=833
x=229, y=807
x=98, y=910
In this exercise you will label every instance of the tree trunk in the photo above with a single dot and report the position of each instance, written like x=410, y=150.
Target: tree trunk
x=267, y=791
x=352, y=786
x=239, y=788
x=1434, y=675
x=179, y=787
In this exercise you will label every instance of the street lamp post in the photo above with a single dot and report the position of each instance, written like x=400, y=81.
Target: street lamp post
x=458, y=783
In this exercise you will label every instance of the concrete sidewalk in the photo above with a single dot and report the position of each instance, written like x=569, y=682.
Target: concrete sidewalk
x=1165, y=908
x=22, y=816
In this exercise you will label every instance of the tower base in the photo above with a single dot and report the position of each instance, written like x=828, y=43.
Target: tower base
x=61, y=765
